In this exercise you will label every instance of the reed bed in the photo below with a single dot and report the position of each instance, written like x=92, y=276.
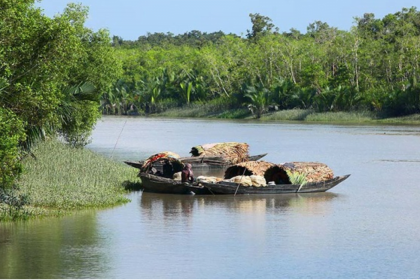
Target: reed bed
x=348, y=117
x=303, y=115
x=312, y=116
x=411, y=119
x=205, y=111
x=287, y=115
x=61, y=179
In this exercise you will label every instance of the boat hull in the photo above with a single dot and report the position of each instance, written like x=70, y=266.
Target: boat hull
x=157, y=184
x=234, y=188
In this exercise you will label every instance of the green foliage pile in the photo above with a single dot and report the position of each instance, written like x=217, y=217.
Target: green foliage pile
x=60, y=179
x=374, y=68
x=296, y=178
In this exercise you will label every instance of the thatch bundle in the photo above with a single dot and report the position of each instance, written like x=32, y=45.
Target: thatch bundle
x=248, y=168
x=233, y=151
x=313, y=171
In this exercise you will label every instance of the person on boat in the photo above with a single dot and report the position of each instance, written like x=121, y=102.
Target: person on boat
x=187, y=174
x=168, y=169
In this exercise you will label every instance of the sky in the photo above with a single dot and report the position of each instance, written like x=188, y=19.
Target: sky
x=130, y=19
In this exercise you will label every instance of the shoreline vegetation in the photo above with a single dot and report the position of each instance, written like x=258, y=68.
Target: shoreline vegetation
x=299, y=115
x=60, y=179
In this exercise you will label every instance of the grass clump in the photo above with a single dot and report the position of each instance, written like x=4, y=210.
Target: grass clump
x=326, y=117
x=219, y=108
x=191, y=111
x=349, y=117
x=61, y=179
x=234, y=114
x=287, y=115
x=411, y=119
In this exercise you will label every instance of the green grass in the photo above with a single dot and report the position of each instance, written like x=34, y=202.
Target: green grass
x=287, y=115
x=341, y=117
x=192, y=111
x=327, y=117
x=214, y=109
x=219, y=109
x=411, y=119
x=62, y=179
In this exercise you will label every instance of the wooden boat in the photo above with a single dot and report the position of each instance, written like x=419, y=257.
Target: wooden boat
x=217, y=155
x=159, y=184
x=224, y=187
x=198, y=162
x=154, y=179
x=161, y=181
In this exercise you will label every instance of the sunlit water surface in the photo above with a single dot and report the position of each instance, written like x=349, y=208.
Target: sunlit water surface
x=366, y=227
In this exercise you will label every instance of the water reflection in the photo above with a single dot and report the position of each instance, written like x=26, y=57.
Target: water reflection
x=67, y=248
x=170, y=206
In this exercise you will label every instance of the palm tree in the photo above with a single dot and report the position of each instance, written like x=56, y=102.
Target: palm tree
x=186, y=90
x=78, y=113
x=259, y=99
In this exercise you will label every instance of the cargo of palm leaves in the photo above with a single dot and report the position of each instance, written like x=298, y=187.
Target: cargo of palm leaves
x=220, y=154
x=265, y=175
x=214, y=155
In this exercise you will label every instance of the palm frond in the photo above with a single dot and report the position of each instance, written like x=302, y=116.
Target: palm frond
x=84, y=91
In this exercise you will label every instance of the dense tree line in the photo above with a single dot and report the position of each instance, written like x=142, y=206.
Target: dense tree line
x=374, y=66
x=53, y=72
x=193, y=38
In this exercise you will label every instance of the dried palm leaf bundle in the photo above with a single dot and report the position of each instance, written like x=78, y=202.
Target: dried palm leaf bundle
x=233, y=151
x=247, y=168
x=313, y=171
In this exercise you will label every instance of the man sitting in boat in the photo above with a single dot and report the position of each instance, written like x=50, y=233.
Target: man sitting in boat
x=168, y=169
x=187, y=174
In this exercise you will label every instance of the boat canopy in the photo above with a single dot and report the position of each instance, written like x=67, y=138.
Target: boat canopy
x=248, y=168
x=163, y=156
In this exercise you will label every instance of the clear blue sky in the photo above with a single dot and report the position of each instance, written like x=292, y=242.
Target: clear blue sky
x=130, y=19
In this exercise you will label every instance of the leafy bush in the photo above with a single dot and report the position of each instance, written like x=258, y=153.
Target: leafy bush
x=11, y=133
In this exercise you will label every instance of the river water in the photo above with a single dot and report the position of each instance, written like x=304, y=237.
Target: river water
x=366, y=227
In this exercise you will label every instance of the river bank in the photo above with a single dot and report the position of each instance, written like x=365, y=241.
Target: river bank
x=300, y=115
x=58, y=180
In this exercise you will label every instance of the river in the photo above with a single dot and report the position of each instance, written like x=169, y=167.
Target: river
x=366, y=227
